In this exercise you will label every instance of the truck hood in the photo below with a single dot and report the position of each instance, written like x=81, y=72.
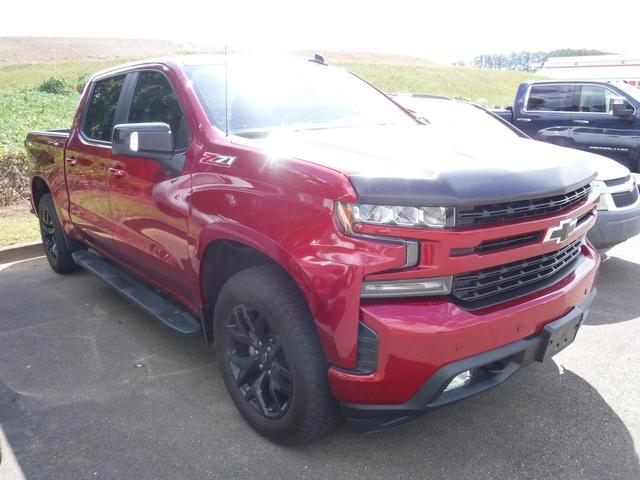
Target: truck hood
x=420, y=165
x=607, y=169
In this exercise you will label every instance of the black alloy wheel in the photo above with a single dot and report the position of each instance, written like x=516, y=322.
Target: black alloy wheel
x=258, y=362
x=54, y=240
x=48, y=231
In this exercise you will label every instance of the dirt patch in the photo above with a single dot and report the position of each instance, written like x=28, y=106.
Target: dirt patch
x=19, y=210
x=45, y=49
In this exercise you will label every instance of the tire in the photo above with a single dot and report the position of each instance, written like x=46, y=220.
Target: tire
x=54, y=238
x=271, y=358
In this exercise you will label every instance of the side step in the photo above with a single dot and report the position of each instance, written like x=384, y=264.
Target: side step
x=171, y=314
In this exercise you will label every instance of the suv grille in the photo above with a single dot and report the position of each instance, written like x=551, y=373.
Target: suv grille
x=483, y=288
x=624, y=199
x=618, y=181
x=483, y=214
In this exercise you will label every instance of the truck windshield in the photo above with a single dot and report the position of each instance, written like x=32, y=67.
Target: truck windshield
x=629, y=90
x=260, y=99
x=457, y=116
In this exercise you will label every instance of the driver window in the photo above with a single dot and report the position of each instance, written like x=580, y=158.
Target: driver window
x=155, y=101
x=596, y=99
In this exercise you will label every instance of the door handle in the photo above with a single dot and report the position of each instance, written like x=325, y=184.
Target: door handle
x=117, y=172
x=523, y=119
x=71, y=161
x=581, y=122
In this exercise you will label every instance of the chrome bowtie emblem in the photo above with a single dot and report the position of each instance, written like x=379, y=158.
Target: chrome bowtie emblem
x=561, y=232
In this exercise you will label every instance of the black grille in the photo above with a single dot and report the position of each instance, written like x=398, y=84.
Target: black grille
x=624, y=199
x=499, y=244
x=617, y=181
x=490, y=286
x=483, y=214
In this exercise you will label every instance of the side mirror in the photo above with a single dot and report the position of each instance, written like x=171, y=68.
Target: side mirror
x=621, y=108
x=143, y=140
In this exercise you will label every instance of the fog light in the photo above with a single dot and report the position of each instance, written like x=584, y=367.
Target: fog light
x=461, y=380
x=418, y=287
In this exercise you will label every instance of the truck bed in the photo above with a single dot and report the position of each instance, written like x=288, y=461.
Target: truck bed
x=45, y=157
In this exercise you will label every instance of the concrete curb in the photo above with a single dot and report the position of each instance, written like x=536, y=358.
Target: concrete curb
x=22, y=251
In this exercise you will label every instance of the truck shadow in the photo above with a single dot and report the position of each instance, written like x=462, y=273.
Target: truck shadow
x=617, y=293
x=91, y=384
x=544, y=423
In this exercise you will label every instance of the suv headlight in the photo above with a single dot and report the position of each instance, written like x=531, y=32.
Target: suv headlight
x=600, y=187
x=350, y=214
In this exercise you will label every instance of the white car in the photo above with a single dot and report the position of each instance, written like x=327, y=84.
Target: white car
x=619, y=207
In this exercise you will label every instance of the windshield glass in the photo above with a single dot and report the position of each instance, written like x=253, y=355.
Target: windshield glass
x=263, y=98
x=629, y=90
x=456, y=116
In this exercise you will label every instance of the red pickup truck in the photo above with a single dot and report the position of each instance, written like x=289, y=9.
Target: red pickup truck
x=346, y=259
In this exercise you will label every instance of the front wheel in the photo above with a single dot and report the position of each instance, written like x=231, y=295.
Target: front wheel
x=271, y=358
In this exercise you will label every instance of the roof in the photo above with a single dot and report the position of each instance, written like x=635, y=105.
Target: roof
x=181, y=61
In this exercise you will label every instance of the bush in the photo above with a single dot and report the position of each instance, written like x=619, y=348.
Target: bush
x=58, y=86
x=82, y=82
x=14, y=178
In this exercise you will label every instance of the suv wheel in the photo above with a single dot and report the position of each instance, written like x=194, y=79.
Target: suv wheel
x=271, y=358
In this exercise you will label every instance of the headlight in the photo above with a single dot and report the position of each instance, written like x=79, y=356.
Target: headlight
x=600, y=187
x=350, y=214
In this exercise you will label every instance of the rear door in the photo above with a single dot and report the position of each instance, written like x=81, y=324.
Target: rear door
x=546, y=112
x=87, y=161
x=148, y=199
x=598, y=131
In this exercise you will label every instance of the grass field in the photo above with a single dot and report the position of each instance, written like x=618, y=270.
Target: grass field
x=23, y=108
x=487, y=87
x=17, y=225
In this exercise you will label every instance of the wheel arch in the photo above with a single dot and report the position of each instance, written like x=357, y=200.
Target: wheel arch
x=224, y=256
x=39, y=187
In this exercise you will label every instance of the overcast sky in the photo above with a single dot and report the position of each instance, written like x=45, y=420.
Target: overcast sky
x=441, y=31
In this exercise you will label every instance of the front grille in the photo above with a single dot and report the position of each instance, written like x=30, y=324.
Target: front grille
x=491, y=286
x=484, y=214
x=624, y=199
x=489, y=246
x=617, y=181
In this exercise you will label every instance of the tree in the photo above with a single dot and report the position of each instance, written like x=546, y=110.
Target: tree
x=526, y=61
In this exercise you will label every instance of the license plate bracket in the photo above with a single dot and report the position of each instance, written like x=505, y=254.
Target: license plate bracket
x=559, y=334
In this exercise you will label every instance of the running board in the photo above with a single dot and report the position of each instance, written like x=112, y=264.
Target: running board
x=174, y=316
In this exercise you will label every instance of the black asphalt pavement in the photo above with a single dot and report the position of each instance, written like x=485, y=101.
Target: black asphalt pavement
x=93, y=388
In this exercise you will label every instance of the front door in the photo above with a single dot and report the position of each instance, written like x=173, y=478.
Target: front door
x=598, y=131
x=148, y=199
x=87, y=159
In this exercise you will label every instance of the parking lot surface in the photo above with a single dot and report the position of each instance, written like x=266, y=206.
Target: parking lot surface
x=92, y=387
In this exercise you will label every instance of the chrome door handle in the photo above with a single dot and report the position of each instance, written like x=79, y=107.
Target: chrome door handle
x=117, y=172
x=71, y=161
x=581, y=122
x=522, y=119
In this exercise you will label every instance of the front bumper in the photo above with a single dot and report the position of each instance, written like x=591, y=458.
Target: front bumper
x=615, y=226
x=422, y=344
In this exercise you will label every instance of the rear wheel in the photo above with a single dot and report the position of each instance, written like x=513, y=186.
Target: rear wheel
x=53, y=237
x=271, y=358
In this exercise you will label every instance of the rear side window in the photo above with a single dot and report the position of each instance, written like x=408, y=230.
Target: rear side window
x=101, y=110
x=551, y=98
x=155, y=101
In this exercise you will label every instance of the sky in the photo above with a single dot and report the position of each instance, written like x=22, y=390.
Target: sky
x=441, y=31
